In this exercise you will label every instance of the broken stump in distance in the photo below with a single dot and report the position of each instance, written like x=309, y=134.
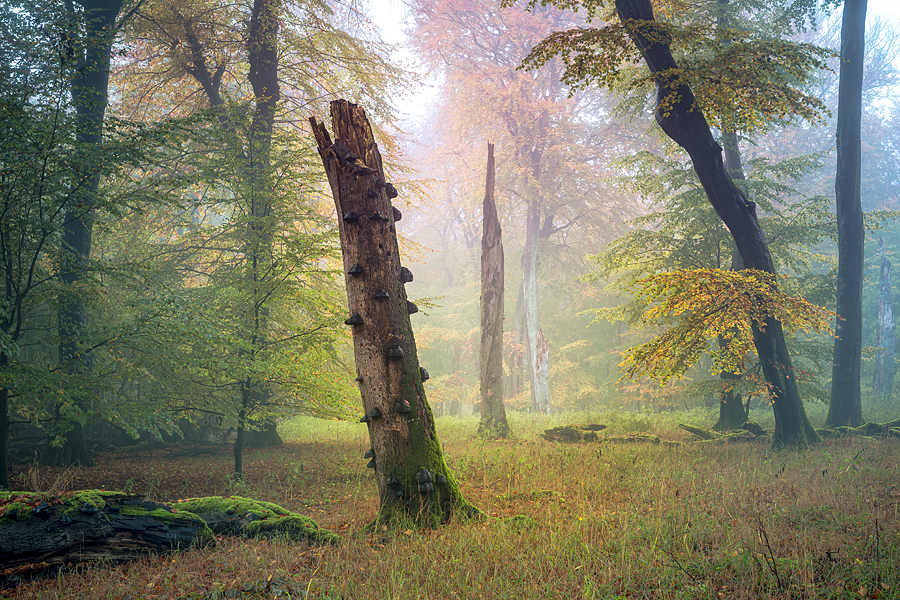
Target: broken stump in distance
x=414, y=482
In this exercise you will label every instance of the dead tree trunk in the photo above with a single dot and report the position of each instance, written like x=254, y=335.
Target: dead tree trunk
x=684, y=122
x=413, y=479
x=493, y=413
x=885, y=334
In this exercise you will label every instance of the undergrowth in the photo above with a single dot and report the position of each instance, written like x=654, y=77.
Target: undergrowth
x=605, y=520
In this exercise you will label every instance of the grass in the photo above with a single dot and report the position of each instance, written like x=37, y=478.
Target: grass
x=606, y=520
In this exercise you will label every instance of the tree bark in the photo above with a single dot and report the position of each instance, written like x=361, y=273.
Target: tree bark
x=731, y=407
x=846, y=403
x=680, y=118
x=883, y=383
x=413, y=480
x=493, y=422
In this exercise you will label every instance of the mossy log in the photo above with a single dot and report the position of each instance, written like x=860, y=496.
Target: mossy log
x=588, y=433
x=749, y=432
x=700, y=432
x=569, y=433
x=40, y=531
x=76, y=527
x=235, y=515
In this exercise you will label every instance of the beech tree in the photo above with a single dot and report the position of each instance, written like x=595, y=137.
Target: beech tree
x=413, y=479
x=89, y=44
x=594, y=55
x=846, y=403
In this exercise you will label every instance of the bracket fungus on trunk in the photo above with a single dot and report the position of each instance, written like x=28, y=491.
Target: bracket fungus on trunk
x=399, y=419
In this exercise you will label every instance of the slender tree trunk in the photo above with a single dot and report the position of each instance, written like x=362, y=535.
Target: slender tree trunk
x=731, y=406
x=685, y=123
x=515, y=358
x=413, y=480
x=540, y=398
x=846, y=404
x=493, y=413
x=239, y=444
x=90, y=94
x=4, y=426
x=883, y=383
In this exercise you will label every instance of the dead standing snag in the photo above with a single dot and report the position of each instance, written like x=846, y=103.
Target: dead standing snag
x=399, y=419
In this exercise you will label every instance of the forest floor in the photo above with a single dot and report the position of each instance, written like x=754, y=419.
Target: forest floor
x=613, y=520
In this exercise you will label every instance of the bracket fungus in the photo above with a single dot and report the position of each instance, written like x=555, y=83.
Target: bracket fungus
x=355, y=270
x=390, y=191
x=354, y=319
x=395, y=352
x=402, y=406
x=424, y=480
x=382, y=295
x=395, y=212
x=377, y=216
x=424, y=374
x=405, y=275
x=351, y=217
x=370, y=453
x=411, y=308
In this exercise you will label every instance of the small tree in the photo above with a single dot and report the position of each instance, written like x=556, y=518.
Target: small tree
x=413, y=479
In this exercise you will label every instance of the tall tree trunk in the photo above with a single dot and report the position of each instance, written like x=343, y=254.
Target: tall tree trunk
x=413, y=480
x=515, y=360
x=255, y=169
x=846, y=405
x=883, y=383
x=262, y=56
x=493, y=413
x=685, y=123
x=540, y=398
x=90, y=95
x=4, y=426
x=731, y=407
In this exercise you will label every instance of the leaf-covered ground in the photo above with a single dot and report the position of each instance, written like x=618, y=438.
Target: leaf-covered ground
x=607, y=520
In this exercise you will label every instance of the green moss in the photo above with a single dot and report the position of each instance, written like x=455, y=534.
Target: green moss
x=273, y=519
x=293, y=527
x=133, y=511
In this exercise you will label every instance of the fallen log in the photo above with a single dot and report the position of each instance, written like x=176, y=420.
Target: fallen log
x=39, y=532
x=234, y=515
x=700, y=432
x=78, y=527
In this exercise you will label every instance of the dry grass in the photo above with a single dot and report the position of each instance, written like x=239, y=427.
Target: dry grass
x=609, y=521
